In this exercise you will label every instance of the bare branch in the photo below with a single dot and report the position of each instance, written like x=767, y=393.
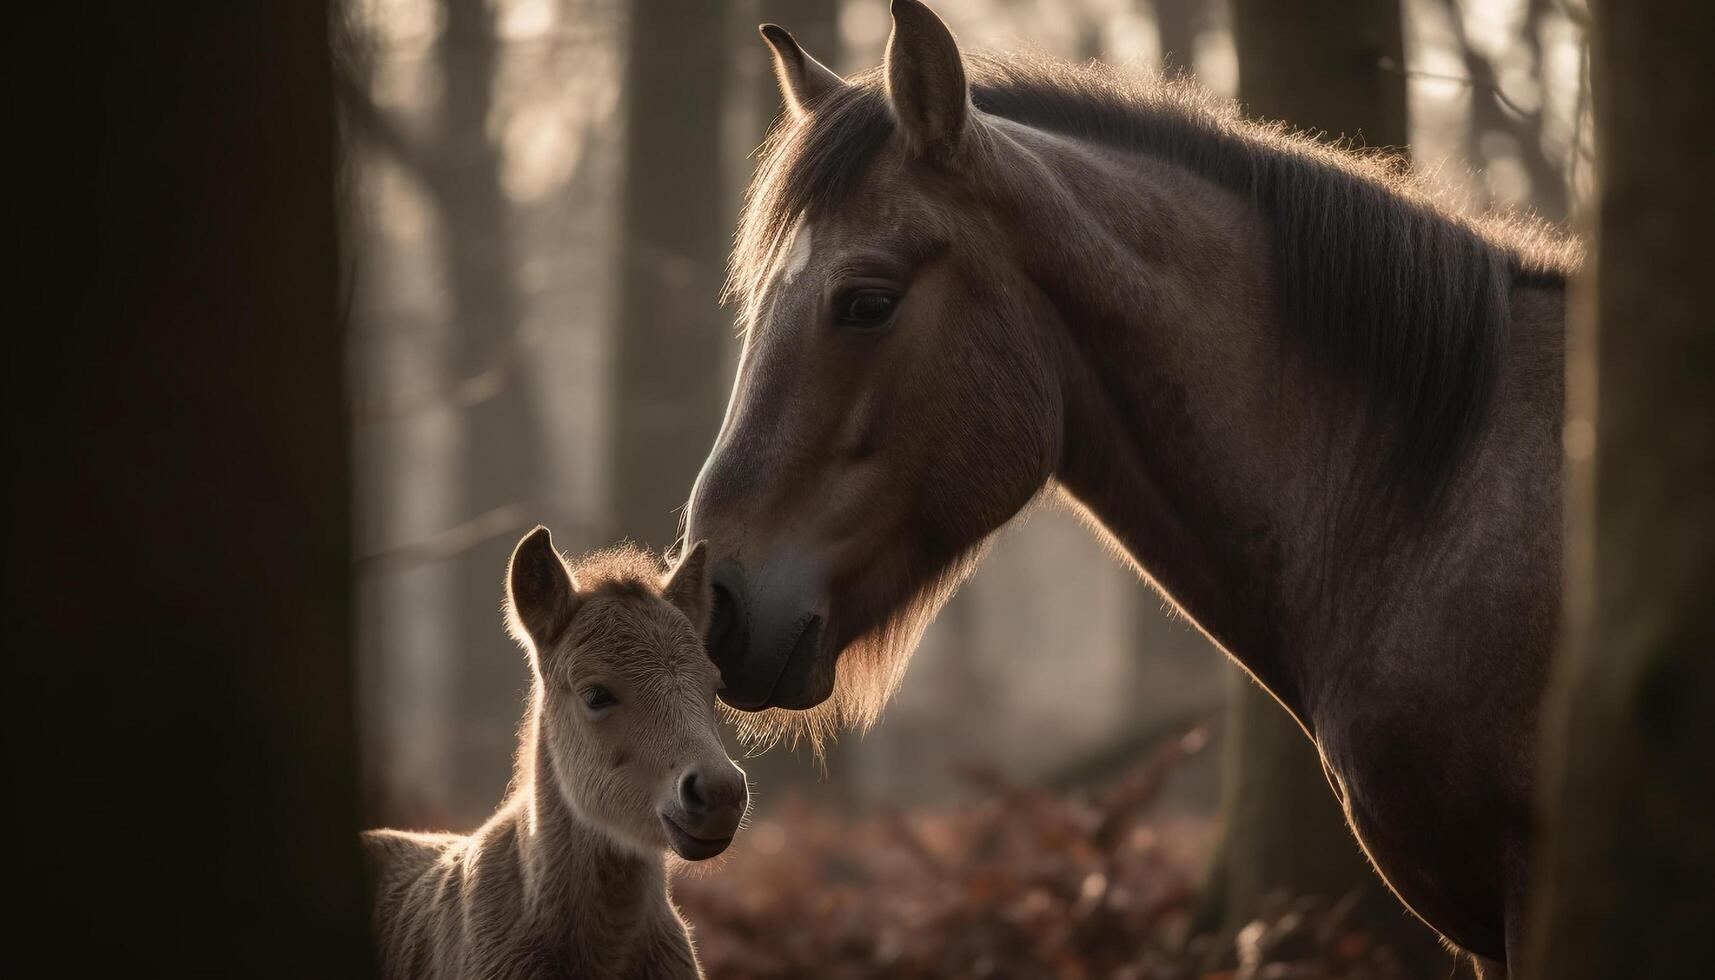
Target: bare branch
x=365, y=117
x=448, y=544
x=1472, y=83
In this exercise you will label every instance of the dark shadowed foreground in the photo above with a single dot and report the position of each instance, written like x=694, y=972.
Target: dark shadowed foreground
x=180, y=761
x=1019, y=884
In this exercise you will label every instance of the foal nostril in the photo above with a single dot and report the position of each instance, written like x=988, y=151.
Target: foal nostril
x=708, y=794
x=691, y=793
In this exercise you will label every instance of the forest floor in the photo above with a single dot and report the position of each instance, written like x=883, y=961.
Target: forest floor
x=1020, y=883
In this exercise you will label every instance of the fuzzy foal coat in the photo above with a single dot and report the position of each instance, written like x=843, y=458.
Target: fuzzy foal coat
x=534, y=893
x=538, y=891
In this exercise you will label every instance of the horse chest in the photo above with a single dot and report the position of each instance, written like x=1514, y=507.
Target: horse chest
x=1430, y=828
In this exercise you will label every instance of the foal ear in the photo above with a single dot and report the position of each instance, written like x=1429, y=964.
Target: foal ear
x=540, y=596
x=687, y=587
x=926, y=79
x=803, y=79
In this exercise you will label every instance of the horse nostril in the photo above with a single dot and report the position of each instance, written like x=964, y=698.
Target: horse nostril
x=721, y=620
x=691, y=794
x=726, y=639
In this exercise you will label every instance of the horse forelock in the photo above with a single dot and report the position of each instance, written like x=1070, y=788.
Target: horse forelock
x=807, y=166
x=1381, y=276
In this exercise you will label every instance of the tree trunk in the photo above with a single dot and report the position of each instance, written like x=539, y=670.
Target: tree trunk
x=500, y=436
x=180, y=768
x=1177, y=23
x=673, y=337
x=1625, y=873
x=1331, y=66
x=1322, y=65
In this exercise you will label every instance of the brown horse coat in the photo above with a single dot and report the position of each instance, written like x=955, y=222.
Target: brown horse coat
x=1316, y=408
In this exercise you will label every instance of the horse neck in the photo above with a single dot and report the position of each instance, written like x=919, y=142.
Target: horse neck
x=585, y=893
x=1190, y=434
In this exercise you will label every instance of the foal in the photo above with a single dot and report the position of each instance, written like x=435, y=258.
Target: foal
x=619, y=759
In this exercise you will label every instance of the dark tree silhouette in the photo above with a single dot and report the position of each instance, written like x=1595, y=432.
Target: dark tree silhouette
x=180, y=775
x=1328, y=65
x=1625, y=877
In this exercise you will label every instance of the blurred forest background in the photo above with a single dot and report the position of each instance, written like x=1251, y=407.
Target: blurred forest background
x=506, y=315
x=541, y=195
x=537, y=341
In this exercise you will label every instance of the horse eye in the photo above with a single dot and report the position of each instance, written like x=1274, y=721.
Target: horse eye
x=867, y=308
x=597, y=697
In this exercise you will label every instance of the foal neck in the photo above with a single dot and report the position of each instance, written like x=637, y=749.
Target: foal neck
x=586, y=892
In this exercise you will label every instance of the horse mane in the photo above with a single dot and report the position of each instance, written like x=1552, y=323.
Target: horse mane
x=1382, y=280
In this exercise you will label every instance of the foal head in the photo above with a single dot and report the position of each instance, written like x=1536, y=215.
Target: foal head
x=893, y=406
x=625, y=695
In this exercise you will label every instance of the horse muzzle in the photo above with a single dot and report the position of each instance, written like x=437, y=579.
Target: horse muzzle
x=770, y=638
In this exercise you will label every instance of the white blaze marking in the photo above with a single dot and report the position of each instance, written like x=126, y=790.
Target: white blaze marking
x=798, y=255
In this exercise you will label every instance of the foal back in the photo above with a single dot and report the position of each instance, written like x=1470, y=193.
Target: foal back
x=450, y=907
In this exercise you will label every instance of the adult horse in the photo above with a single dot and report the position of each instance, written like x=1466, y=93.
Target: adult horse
x=1319, y=411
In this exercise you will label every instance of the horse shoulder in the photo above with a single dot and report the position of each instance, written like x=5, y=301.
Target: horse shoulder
x=1420, y=797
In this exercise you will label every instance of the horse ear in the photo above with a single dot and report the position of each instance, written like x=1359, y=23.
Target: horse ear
x=687, y=587
x=926, y=79
x=540, y=596
x=803, y=79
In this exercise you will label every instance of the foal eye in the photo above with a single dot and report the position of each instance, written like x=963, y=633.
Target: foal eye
x=597, y=697
x=866, y=309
